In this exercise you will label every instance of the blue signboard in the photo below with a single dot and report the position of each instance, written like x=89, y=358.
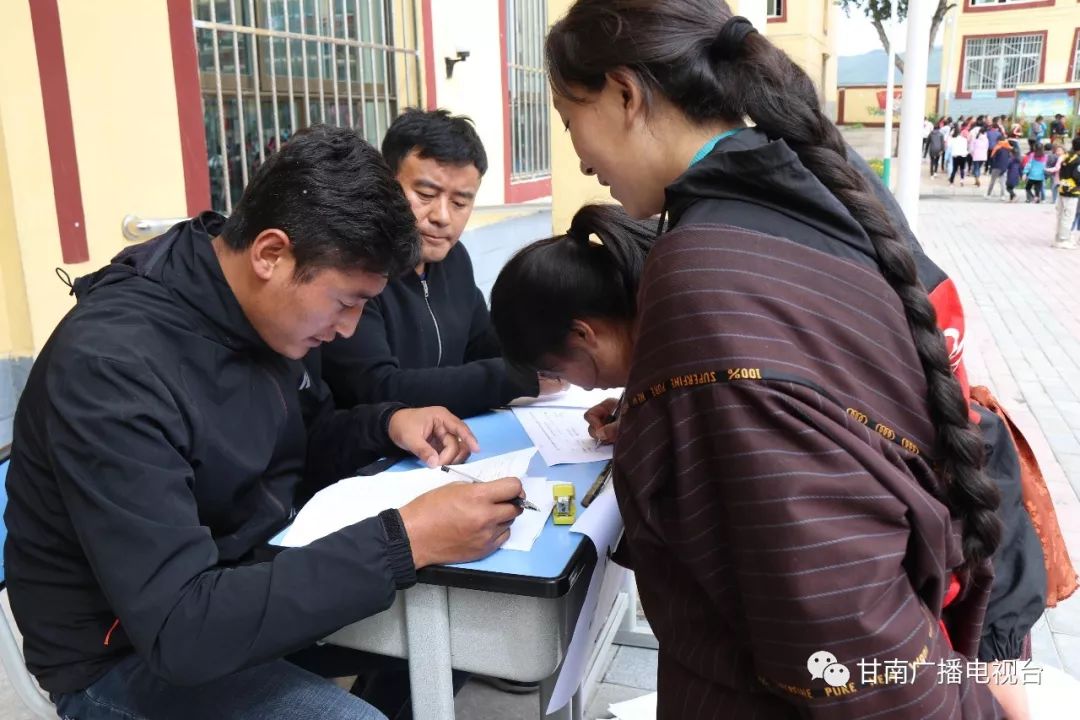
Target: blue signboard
x=1048, y=103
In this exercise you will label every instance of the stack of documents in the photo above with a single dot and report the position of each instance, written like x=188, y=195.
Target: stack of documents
x=572, y=397
x=556, y=425
x=354, y=499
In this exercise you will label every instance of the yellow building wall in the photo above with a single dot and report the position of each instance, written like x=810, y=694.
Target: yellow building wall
x=1060, y=21
x=806, y=36
x=123, y=104
x=29, y=239
x=15, y=335
x=861, y=105
x=569, y=188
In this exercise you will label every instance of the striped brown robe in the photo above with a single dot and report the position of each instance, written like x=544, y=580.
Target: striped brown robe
x=765, y=522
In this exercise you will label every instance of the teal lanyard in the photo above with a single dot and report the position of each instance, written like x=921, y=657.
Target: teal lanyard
x=708, y=147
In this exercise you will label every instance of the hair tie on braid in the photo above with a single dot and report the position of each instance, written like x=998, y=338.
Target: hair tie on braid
x=728, y=42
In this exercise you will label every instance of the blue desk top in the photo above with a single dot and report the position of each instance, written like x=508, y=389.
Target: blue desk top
x=500, y=432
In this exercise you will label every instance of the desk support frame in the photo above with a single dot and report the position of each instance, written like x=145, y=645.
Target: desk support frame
x=427, y=619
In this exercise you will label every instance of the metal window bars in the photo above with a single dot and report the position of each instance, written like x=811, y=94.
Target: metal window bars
x=1076, y=61
x=530, y=116
x=270, y=67
x=1001, y=63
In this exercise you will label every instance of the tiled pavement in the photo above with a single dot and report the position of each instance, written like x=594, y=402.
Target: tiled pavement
x=1023, y=341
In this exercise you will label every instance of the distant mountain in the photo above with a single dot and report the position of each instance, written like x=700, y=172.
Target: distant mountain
x=870, y=69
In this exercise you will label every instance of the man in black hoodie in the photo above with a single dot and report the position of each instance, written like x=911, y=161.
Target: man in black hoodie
x=168, y=429
x=427, y=340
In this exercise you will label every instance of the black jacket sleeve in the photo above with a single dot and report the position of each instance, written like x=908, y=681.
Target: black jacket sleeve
x=117, y=447
x=1018, y=595
x=340, y=442
x=363, y=369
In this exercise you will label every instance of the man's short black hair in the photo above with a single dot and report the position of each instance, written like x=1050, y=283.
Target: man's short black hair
x=334, y=196
x=436, y=135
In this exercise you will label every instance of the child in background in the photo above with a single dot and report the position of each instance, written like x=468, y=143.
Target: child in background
x=935, y=145
x=1012, y=173
x=1000, y=158
x=1068, y=198
x=1035, y=172
x=980, y=146
x=1053, y=166
x=958, y=144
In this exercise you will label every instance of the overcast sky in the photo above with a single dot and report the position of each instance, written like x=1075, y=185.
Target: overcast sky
x=856, y=35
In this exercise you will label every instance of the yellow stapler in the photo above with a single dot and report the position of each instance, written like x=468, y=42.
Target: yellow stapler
x=565, y=509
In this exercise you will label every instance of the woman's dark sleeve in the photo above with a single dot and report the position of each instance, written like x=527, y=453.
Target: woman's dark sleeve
x=1018, y=595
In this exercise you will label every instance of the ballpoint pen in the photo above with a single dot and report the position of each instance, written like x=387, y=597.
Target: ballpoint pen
x=519, y=502
x=612, y=417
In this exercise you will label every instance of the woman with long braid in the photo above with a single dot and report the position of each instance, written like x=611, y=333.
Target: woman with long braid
x=795, y=465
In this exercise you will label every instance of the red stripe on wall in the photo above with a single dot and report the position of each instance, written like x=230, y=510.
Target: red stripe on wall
x=429, y=56
x=504, y=61
x=189, y=106
x=49, y=45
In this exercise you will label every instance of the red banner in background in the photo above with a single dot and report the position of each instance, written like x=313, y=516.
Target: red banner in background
x=882, y=96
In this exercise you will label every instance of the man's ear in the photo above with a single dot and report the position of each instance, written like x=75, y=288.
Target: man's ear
x=271, y=251
x=628, y=86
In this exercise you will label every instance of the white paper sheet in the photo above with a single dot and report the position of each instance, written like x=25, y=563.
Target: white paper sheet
x=530, y=523
x=603, y=524
x=354, y=499
x=561, y=435
x=511, y=464
x=640, y=708
x=573, y=397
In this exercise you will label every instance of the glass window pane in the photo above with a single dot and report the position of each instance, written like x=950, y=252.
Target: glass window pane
x=345, y=79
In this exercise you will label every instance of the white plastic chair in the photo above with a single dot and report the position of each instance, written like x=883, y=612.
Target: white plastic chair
x=10, y=654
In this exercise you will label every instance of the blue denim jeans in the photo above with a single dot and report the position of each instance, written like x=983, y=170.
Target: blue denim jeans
x=277, y=689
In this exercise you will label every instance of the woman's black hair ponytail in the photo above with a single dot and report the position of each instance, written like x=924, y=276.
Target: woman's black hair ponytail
x=592, y=271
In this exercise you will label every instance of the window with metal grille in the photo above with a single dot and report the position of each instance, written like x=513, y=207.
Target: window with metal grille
x=1000, y=2
x=774, y=8
x=530, y=121
x=1001, y=63
x=1076, y=60
x=270, y=67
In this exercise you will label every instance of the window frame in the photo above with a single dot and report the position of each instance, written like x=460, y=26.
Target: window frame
x=774, y=16
x=971, y=6
x=1072, y=75
x=527, y=155
x=255, y=70
x=963, y=92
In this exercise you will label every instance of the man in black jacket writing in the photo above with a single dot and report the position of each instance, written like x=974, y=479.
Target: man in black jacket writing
x=427, y=340
x=168, y=428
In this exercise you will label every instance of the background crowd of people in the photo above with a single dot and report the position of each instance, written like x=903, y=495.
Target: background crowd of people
x=1042, y=161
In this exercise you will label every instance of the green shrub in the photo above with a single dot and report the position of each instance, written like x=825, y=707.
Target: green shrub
x=878, y=166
